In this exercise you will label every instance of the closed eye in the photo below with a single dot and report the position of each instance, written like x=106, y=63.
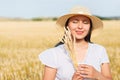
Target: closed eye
x=86, y=22
x=75, y=21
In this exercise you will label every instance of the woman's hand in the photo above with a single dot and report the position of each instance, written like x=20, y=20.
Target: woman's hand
x=77, y=76
x=88, y=71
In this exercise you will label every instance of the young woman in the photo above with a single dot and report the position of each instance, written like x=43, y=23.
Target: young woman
x=77, y=58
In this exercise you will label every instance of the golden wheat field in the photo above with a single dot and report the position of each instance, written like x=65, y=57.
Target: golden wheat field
x=22, y=41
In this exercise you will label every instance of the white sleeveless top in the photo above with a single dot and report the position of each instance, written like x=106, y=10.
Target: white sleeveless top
x=58, y=58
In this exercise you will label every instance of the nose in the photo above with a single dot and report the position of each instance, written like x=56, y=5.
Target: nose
x=80, y=25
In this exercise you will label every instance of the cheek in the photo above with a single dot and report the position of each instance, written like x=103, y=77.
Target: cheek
x=71, y=26
x=87, y=28
x=72, y=29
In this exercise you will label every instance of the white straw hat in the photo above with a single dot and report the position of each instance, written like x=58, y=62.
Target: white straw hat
x=97, y=24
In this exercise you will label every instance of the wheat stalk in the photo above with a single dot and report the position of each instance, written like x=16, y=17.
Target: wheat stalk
x=69, y=45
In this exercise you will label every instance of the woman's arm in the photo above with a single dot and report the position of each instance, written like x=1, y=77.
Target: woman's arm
x=49, y=73
x=105, y=72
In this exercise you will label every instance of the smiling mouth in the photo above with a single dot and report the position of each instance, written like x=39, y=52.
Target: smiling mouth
x=79, y=32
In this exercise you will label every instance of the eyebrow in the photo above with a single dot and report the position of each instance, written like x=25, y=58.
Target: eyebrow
x=74, y=19
x=80, y=19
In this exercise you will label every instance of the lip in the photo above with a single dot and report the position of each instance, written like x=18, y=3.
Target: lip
x=79, y=32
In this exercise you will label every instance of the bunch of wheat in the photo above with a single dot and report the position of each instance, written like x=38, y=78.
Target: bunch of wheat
x=69, y=41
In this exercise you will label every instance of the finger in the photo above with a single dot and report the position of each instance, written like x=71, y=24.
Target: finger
x=84, y=72
x=84, y=76
x=84, y=65
x=79, y=77
x=69, y=33
x=77, y=72
x=85, y=69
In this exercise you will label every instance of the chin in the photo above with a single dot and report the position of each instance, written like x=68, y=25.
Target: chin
x=80, y=38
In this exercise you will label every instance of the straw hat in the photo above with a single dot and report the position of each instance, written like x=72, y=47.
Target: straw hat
x=97, y=24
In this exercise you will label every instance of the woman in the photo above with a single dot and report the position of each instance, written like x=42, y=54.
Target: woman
x=77, y=58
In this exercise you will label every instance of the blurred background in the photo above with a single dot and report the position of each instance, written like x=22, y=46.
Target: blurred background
x=28, y=9
x=27, y=27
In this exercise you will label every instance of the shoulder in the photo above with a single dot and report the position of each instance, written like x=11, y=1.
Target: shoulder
x=99, y=49
x=52, y=51
x=50, y=57
x=97, y=46
x=102, y=53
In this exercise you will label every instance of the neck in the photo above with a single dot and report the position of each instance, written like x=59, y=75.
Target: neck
x=80, y=43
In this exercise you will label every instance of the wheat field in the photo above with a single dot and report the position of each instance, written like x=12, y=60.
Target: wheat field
x=22, y=41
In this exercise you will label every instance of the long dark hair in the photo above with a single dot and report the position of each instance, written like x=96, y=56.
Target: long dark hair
x=87, y=38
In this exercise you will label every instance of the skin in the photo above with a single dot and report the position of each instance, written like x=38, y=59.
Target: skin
x=79, y=27
x=49, y=73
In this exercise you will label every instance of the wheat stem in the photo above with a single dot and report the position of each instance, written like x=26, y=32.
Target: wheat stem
x=69, y=45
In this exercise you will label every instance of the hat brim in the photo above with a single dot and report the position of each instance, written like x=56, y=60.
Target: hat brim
x=97, y=24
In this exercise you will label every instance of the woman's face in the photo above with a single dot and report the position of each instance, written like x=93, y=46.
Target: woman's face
x=79, y=26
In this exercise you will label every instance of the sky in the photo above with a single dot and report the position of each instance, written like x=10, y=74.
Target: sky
x=56, y=8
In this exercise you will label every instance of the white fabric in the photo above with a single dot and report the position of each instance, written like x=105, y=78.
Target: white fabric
x=58, y=58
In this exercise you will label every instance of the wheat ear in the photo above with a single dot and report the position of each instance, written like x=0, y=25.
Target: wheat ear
x=69, y=45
